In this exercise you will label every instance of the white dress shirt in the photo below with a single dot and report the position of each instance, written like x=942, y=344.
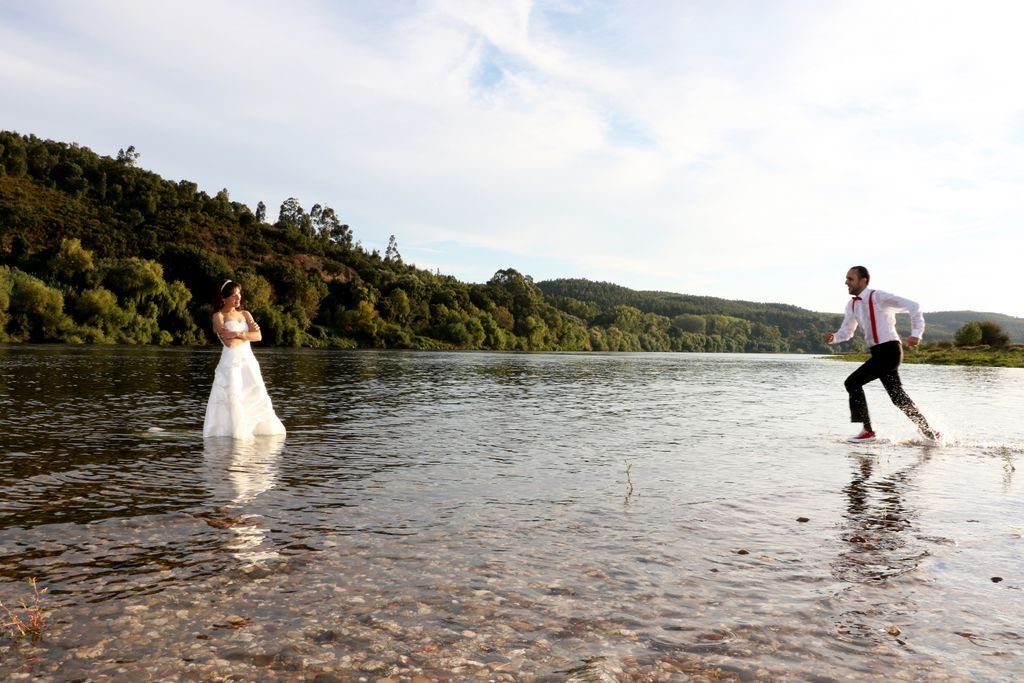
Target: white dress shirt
x=886, y=305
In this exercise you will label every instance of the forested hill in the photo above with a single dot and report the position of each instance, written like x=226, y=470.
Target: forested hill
x=800, y=329
x=96, y=249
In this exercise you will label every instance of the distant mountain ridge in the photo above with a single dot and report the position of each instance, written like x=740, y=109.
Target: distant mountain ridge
x=790, y=319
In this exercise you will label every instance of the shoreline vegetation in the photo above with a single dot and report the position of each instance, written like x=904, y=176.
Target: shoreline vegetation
x=96, y=250
x=944, y=353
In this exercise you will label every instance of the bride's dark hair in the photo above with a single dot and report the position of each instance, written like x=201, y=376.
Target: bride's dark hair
x=225, y=291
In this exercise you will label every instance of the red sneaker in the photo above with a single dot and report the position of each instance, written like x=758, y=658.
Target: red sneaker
x=864, y=437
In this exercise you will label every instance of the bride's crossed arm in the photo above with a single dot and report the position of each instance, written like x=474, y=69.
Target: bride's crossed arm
x=231, y=338
x=227, y=337
x=254, y=333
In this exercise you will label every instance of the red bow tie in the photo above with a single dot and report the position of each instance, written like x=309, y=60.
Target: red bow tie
x=857, y=298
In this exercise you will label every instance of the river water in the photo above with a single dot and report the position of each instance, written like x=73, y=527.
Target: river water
x=478, y=516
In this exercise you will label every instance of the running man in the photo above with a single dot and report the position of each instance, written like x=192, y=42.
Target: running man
x=875, y=311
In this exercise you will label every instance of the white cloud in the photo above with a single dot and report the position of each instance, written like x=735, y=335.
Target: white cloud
x=716, y=148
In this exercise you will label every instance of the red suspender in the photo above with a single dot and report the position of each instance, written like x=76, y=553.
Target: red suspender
x=871, y=307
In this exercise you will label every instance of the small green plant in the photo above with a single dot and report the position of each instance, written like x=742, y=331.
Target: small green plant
x=29, y=620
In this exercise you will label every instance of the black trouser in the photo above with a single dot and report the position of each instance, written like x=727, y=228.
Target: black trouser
x=883, y=365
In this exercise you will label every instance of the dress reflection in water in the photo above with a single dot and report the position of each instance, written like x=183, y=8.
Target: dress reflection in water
x=238, y=472
x=239, y=406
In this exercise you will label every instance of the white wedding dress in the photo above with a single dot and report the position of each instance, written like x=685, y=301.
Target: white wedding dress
x=239, y=406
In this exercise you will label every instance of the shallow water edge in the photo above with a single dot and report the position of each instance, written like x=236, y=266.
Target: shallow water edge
x=469, y=516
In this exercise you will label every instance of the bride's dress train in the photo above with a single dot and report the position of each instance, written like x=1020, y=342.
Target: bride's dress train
x=239, y=405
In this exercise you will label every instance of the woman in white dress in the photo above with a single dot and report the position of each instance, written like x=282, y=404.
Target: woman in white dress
x=239, y=405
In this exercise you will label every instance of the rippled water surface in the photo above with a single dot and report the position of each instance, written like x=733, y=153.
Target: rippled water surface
x=509, y=517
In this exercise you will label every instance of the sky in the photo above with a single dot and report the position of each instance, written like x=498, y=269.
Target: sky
x=741, y=149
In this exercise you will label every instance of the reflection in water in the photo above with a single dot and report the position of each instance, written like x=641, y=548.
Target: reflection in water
x=876, y=520
x=238, y=471
x=878, y=548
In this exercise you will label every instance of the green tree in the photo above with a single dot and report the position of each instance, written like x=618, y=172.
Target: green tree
x=535, y=333
x=15, y=154
x=6, y=287
x=494, y=336
x=391, y=253
x=573, y=336
x=128, y=157
x=292, y=216
x=688, y=322
x=68, y=177
x=969, y=335
x=361, y=321
x=257, y=292
x=993, y=335
x=476, y=332
x=98, y=309
x=692, y=342
x=396, y=307
x=625, y=318
x=134, y=279
x=35, y=312
x=765, y=339
x=518, y=294
x=298, y=292
x=340, y=234
x=324, y=222
x=175, y=317
x=72, y=263
x=728, y=333
x=41, y=162
x=202, y=271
